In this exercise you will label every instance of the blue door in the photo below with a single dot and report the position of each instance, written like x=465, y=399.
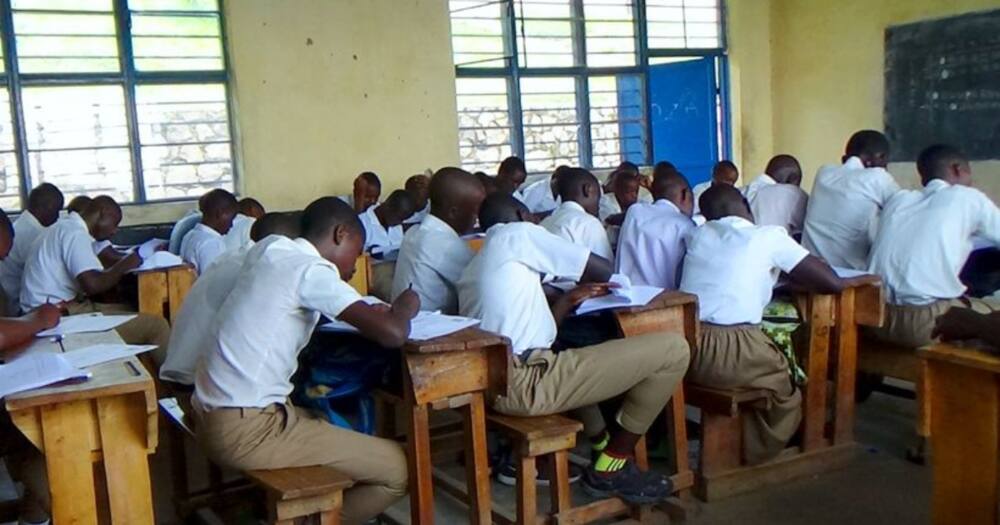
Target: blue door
x=682, y=110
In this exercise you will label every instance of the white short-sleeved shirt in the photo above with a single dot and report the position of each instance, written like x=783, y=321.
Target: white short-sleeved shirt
x=697, y=191
x=378, y=235
x=239, y=235
x=431, y=258
x=282, y=289
x=181, y=228
x=538, y=196
x=502, y=287
x=762, y=180
x=608, y=206
x=925, y=237
x=732, y=266
x=201, y=246
x=191, y=336
x=780, y=205
x=62, y=252
x=572, y=223
x=651, y=245
x=842, y=211
x=27, y=229
x=418, y=216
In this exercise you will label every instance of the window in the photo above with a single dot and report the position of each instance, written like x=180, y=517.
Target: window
x=120, y=97
x=565, y=81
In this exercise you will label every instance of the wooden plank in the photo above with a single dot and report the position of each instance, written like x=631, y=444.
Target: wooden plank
x=821, y=315
x=467, y=339
x=962, y=355
x=179, y=283
x=67, y=462
x=676, y=424
x=418, y=444
x=846, y=337
x=300, y=482
x=153, y=292
x=477, y=468
x=560, y=496
x=122, y=421
x=869, y=304
x=721, y=443
x=442, y=375
x=720, y=401
x=527, y=491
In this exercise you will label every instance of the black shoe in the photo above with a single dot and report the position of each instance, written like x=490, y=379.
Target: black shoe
x=630, y=484
x=507, y=474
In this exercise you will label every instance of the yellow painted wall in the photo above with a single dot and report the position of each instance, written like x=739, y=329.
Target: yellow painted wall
x=749, y=39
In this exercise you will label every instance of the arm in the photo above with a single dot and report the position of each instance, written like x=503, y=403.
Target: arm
x=615, y=220
x=816, y=276
x=964, y=323
x=566, y=304
x=16, y=331
x=598, y=270
x=94, y=282
x=388, y=327
x=110, y=256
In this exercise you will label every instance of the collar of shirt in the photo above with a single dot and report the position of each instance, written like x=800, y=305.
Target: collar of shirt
x=370, y=214
x=764, y=178
x=570, y=205
x=854, y=163
x=206, y=229
x=935, y=186
x=732, y=221
x=78, y=221
x=431, y=222
x=30, y=217
x=664, y=203
x=307, y=247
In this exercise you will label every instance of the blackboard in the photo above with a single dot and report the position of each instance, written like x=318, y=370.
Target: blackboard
x=942, y=84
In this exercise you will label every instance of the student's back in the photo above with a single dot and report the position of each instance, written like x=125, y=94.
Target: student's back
x=651, y=244
x=780, y=205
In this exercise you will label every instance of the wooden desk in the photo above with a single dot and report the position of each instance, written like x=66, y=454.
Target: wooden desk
x=475, y=243
x=964, y=386
x=162, y=291
x=108, y=422
x=451, y=372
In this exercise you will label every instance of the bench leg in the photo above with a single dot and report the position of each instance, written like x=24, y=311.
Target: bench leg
x=330, y=517
x=721, y=443
x=477, y=470
x=527, y=506
x=559, y=487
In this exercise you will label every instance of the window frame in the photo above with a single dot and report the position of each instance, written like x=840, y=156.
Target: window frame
x=128, y=77
x=512, y=72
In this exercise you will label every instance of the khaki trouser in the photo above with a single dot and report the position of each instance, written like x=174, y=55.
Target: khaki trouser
x=283, y=436
x=742, y=357
x=145, y=329
x=911, y=326
x=646, y=369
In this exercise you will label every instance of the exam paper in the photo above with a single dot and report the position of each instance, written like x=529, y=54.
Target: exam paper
x=35, y=370
x=620, y=298
x=85, y=323
x=97, y=354
x=158, y=260
x=426, y=325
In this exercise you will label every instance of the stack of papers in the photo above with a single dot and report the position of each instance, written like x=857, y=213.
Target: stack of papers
x=97, y=354
x=159, y=260
x=35, y=370
x=426, y=325
x=86, y=323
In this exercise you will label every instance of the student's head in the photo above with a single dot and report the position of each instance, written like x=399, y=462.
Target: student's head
x=629, y=167
x=251, y=207
x=671, y=185
x=946, y=163
x=332, y=226
x=501, y=209
x=626, y=189
x=419, y=188
x=396, y=209
x=554, y=183
x=662, y=168
x=218, y=209
x=288, y=224
x=455, y=198
x=871, y=146
x=725, y=172
x=45, y=202
x=78, y=204
x=6, y=235
x=367, y=190
x=580, y=186
x=489, y=183
x=511, y=175
x=102, y=215
x=784, y=169
x=723, y=200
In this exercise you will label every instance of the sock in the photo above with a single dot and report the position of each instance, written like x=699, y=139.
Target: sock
x=609, y=462
x=600, y=442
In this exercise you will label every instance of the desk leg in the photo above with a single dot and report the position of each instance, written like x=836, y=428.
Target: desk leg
x=847, y=367
x=152, y=293
x=419, y=454
x=817, y=363
x=122, y=422
x=477, y=468
x=67, y=462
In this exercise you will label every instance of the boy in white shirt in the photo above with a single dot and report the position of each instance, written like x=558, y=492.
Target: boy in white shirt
x=365, y=193
x=243, y=415
x=782, y=202
x=651, y=245
x=576, y=218
x=248, y=211
x=924, y=238
x=418, y=186
x=503, y=288
x=845, y=202
x=624, y=193
x=191, y=334
x=732, y=266
x=511, y=176
x=64, y=270
x=384, y=223
x=542, y=197
x=44, y=204
x=433, y=254
x=724, y=172
x=206, y=241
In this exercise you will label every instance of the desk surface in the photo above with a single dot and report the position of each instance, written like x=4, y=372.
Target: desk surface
x=467, y=339
x=970, y=356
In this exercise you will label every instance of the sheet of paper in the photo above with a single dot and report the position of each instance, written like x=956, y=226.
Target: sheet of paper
x=848, y=273
x=85, y=323
x=97, y=354
x=35, y=370
x=174, y=410
x=426, y=325
x=148, y=248
x=159, y=260
x=622, y=285
x=636, y=296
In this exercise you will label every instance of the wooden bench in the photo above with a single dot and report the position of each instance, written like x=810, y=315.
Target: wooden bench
x=301, y=492
x=361, y=280
x=879, y=359
x=162, y=291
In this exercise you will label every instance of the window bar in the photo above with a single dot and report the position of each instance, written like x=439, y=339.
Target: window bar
x=642, y=45
x=123, y=21
x=513, y=73
x=16, y=105
x=579, y=35
x=234, y=131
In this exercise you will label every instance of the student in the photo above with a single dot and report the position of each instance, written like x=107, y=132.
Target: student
x=846, y=200
x=243, y=416
x=503, y=288
x=248, y=210
x=206, y=241
x=732, y=266
x=489, y=183
x=44, y=204
x=963, y=324
x=366, y=192
x=923, y=240
x=418, y=186
x=624, y=193
x=724, y=172
x=384, y=223
x=191, y=335
x=576, y=218
x=78, y=204
x=542, y=197
x=511, y=176
x=781, y=203
x=433, y=254
x=651, y=245
x=64, y=270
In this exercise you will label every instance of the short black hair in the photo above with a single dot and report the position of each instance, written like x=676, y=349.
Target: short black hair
x=78, y=203
x=45, y=196
x=867, y=142
x=511, y=165
x=251, y=206
x=401, y=200
x=218, y=200
x=5, y=223
x=724, y=165
x=934, y=160
x=668, y=183
x=419, y=178
x=662, y=168
x=326, y=213
x=572, y=181
x=499, y=208
x=277, y=223
x=370, y=178
x=628, y=166
x=721, y=200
